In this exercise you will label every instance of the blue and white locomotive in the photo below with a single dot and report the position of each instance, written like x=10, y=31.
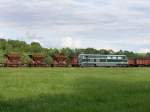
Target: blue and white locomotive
x=98, y=60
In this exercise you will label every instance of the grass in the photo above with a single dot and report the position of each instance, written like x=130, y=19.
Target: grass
x=74, y=89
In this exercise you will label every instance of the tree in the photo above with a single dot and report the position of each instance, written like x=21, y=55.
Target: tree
x=148, y=55
x=35, y=47
x=48, y=60
x=104, y=51
x=3, y=43
x=68, y=53
x=25, y=58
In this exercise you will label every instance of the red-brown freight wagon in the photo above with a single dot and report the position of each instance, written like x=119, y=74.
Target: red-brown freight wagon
x=37, y=60
x=12, y=60
x=143, y=61
x=139, y=62
x=59, y=60
x=132, y=62
x=74, y=61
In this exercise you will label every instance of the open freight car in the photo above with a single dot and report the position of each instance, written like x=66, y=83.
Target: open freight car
x=139, y=62
x=59, y=60
x=12, y=60
x=37, y=60
x=74, y=61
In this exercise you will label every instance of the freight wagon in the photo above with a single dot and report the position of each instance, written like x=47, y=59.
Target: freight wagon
x=74, y=61
x=37, y=61
x=12, y=60
x=59, y=60
x=139, y=62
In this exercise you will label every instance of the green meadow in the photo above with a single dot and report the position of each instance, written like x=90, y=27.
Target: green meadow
x=74, y=89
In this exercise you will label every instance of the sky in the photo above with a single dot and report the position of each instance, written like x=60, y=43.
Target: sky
x=108, y=24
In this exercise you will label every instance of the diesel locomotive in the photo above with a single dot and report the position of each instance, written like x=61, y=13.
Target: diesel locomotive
x=98, y=60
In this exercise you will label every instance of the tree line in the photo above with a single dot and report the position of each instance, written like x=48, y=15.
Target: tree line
x=24, y=49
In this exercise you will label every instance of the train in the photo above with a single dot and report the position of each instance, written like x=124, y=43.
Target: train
x=82, y=60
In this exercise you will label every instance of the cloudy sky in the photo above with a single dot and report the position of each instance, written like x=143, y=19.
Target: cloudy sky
x=115, y=24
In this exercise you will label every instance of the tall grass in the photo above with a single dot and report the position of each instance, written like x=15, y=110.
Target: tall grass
x=74, y=89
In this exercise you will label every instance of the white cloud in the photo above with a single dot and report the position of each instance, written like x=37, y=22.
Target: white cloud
x=144, y=50
x=70, y=42
x=2, y=35
x=35, y=40
x=116, y=24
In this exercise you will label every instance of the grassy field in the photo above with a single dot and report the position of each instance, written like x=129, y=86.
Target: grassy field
x=75, y=90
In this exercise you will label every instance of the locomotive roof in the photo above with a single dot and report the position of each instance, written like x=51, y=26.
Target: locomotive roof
x=101, y=55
